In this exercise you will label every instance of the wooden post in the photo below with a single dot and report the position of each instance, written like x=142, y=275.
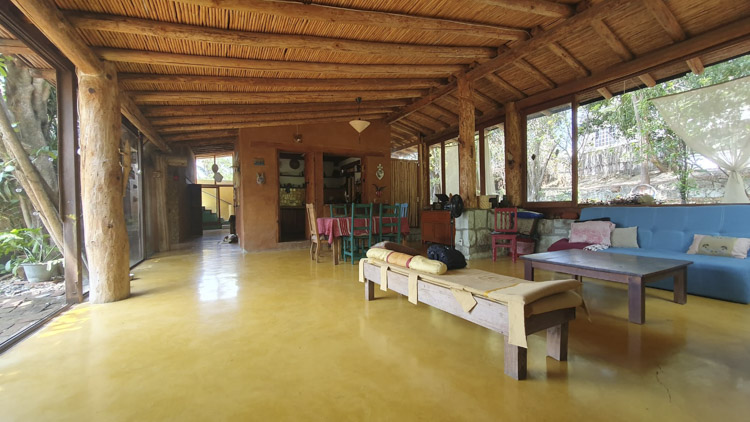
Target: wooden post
x=424, y=175
x=160, y=196
x=101, y=181
x=515, y=158
x=467, y=166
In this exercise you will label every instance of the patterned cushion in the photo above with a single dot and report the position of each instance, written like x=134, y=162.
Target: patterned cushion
x=736, y=247
x=593, y=232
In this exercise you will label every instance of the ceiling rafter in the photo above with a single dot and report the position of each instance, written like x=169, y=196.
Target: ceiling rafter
x=202, y=109
x=661, y=12
x=128, y=25
x=538, y=7
x=349, y=16
x=268, y=97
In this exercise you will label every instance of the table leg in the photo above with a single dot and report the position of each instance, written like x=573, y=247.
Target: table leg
x=336, y=250
x=515, y=360
x=636, y=300
x=369, y=290
x=557, y=342
x=680, y=287
x=528, y=270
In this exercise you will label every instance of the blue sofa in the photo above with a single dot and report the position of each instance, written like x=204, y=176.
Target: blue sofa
x=667, y=232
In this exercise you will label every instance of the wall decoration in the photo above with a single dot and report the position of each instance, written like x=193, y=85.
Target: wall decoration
x=261, y=179
x=259, y=161
x=379, y=173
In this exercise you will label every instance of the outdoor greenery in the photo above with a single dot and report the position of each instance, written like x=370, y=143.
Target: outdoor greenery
x=22, y=246
x=204, y=172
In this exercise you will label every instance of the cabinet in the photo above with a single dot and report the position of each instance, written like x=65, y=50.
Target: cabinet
x=291, y=223
x=437, y=227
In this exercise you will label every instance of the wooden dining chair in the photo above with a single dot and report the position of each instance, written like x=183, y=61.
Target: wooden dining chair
x=505, y=232
x=315, y=241
x=359, y=240
x=389, y=219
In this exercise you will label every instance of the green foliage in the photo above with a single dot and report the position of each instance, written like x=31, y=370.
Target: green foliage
x=21, y=246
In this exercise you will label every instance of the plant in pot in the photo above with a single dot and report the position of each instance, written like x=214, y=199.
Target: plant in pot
x=31, y=250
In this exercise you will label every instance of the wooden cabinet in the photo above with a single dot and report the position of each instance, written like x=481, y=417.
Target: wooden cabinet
x=436, y=227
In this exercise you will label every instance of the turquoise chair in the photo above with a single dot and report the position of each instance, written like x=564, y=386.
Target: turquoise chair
x=356, y=246
x=394, y=213
x=338, y=210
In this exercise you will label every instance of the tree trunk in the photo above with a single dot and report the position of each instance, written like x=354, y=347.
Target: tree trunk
x=467, y=165
x=28, y=99
x=30, y=179
x=102, y=186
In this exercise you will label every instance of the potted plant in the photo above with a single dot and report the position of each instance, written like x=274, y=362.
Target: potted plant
x=31, y=250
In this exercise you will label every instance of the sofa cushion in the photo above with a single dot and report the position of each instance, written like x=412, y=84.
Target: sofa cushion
x=595, y=232
x=736, y=247
x=625, y=237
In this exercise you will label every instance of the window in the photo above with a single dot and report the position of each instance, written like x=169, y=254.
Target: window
x=436, y=171
x=451, y=167
x=205, y=173
x=494, y=159
x=549, y=148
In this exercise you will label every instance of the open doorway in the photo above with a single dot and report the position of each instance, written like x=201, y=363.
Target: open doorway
x=215, y=176
x=291, y=197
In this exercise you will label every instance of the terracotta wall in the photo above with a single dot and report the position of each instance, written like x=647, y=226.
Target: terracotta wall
x=258, y=210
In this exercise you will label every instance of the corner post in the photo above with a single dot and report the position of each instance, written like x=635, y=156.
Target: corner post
x=467, y=166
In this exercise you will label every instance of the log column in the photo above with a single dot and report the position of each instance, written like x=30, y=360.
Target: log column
x=424, y=175
x=515, y=159
x=101, y=186
x=467, y=167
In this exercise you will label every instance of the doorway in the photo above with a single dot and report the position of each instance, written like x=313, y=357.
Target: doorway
x=342, y=179
x=291, y=197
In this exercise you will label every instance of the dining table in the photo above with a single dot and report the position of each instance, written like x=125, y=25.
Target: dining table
x=334, y=228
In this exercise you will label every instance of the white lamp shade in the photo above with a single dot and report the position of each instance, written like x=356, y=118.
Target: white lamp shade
x=359, y=125
x=218, y=177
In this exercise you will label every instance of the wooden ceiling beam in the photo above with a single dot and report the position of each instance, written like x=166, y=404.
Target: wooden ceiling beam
x=723, y=36
x=349, y=16
x=263, y=123
x=215, y=141
x=484, y=102
x=191, y=110
x=202, y=134
x=238, y=118
x=128, y=25
x=519, y=50
x=331, y=69
x=647, y=79
x=612, y=40
x=448, y=114
x=568, y=58
x=503, y=84
x=431, y=120
x=537, y=7
x=535, y=73
x=130, y=110
x=416, y=126
x=266, y=84
x=267, y=97
x=661, y=12
x=605, y=92
x=8, y=46
x=404, y=131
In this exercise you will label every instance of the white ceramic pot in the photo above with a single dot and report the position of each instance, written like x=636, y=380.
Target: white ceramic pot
x=38, y=272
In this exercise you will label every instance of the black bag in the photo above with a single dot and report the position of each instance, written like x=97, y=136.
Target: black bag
x=452, y=258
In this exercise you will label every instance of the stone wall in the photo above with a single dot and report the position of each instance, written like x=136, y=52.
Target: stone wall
x=473, y=229
x=550, y=231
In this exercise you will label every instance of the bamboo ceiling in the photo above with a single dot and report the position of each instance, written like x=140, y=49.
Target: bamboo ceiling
x=201, y=69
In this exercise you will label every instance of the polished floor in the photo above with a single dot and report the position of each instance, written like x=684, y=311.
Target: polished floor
x=212, y=334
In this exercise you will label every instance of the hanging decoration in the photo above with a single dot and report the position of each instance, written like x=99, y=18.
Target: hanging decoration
x=358, y=124
x=215, y=168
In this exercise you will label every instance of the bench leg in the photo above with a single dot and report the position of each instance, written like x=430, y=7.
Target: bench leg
x=369, y=290
x=680, y=287
x=515, y=360
x=528, y=270
x=557, y=342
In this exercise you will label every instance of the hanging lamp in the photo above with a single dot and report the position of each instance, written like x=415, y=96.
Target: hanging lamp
x=217, y=176
x=358, y=124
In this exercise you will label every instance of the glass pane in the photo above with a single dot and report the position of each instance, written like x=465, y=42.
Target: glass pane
x=132, y=200
x=451, y=167
x=436, y=171
x=494, y=139
x=549, y=149
x=206, y=175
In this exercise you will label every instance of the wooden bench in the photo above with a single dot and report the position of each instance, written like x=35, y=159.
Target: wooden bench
x=487, y=313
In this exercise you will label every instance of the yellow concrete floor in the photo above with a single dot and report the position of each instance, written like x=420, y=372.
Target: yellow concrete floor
x=212, y=334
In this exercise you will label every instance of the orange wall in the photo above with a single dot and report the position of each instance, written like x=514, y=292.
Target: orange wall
x=258, y=204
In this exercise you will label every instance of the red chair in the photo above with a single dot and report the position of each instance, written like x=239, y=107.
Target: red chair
x=505, y=232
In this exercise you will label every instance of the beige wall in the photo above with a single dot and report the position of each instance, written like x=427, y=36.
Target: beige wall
x=258, y=204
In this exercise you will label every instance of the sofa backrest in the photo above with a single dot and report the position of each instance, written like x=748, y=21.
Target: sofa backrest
x=672, y=228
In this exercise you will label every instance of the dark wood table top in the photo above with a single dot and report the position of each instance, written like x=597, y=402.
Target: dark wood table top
x=608, y=262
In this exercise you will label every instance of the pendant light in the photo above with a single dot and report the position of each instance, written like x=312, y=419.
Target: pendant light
x=359, y=125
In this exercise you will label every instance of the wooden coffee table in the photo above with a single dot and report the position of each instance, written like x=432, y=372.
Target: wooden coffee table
x=635, y=271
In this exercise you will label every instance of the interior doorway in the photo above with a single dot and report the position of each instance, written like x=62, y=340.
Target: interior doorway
x=215, y=176
x=291, y=197
x=342, y=178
